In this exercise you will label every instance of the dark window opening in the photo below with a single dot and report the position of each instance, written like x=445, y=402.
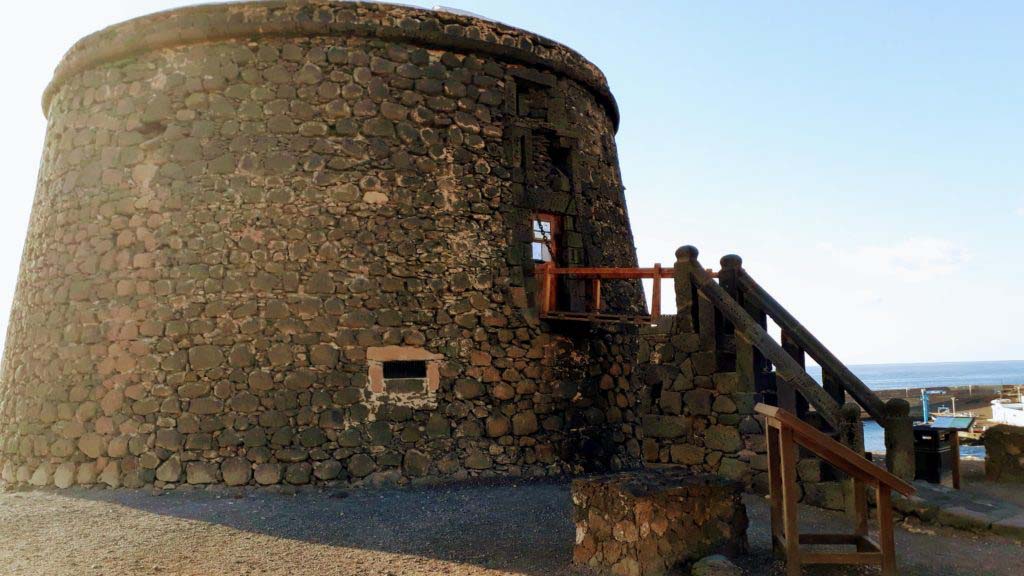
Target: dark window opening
x=405, y=369
x=550, y=162
x=560, y=177
x=532, y=100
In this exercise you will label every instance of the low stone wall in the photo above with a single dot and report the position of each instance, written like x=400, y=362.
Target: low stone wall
x=649, y=522
x=1004, y=453
x=695, y=413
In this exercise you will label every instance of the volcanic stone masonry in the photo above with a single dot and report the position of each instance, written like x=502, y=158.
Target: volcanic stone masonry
x=697, y=404
x=1004, y=453
x=290, y=242
x=654, y=522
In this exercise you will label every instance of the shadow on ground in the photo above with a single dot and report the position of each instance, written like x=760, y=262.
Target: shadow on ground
x=521, y=527
x=515, y=527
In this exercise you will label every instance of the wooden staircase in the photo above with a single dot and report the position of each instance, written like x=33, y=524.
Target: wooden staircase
x=731, y=310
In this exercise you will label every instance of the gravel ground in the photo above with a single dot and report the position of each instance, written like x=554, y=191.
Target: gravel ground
x=469, y=529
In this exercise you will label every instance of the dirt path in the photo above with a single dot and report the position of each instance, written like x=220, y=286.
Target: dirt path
x=459, y=530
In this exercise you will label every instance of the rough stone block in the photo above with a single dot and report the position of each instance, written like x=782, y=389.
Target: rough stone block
x=653, y=522
x=715, y=565
x=659, y=426
x=704, y=363
x=829, y=495
x=205, y=357
x=687, y=454
x=1004, y=453
x=236, y=471
x=201, y=472
x=268, y=473
x=64, y=476
x=724, y=438
x=671, y=402
x=170, y=470
x=698, y=402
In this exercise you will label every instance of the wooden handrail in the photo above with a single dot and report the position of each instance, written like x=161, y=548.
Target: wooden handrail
x=871, y=403
x=547, y=274
x=611, y=273
x=786, y=367
x=833, y=452
x=783, y=433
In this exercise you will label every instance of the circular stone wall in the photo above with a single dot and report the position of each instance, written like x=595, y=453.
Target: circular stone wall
x=290, y=242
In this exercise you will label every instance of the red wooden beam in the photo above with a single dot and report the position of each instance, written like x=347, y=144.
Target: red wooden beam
x=606, y=273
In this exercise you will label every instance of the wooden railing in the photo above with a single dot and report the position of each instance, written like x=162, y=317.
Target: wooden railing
x=743, y=307
x=547, y=280
x=837, y=379
x=689, y=272
x=784, y=433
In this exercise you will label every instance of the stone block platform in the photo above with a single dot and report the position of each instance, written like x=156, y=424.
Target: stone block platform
x=648, y=522
x=1004, y=454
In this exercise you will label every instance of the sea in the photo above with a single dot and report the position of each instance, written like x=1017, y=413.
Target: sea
x=895, y=376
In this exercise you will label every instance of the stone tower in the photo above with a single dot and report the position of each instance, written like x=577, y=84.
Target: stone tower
x=294, y=241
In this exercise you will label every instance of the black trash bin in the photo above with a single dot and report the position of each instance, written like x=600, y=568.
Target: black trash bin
x=933, y=455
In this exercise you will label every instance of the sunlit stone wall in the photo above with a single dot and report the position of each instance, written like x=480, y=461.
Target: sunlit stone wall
x=289, y=242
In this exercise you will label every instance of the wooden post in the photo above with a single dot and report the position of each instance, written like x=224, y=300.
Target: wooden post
x=787, y=453
x=540, y=272
x=775, y=489
x=764, y=378
x=546, y=281
x=795, y=403
x=886, y=541
x=833, y=386
x=746, y=376
x=597, y=294
x=656, y=293
x=860, y=513
x=550, y=289
x=851, y=435
x=707, y=327
x=899, y=439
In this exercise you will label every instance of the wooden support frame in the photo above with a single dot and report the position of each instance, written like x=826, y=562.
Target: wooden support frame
x=547, y=277
x=784, y=432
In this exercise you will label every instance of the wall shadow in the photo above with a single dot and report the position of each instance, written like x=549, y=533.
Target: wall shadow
x=522, y=527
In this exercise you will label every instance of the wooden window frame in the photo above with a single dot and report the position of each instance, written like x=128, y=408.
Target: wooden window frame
x=555, y=223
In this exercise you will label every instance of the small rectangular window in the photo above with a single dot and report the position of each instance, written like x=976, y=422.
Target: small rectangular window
x=395, y=369
x=545, y=232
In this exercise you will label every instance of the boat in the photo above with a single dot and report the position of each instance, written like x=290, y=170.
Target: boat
x=1008, y=412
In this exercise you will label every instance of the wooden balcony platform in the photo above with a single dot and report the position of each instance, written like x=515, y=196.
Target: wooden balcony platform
x=547, y=276
x=600, y=318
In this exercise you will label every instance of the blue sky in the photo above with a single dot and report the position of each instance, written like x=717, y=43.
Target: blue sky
x=863, y=158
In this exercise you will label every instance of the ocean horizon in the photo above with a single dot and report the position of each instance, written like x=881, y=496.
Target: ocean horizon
x=930, y=374
x=926, y=374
